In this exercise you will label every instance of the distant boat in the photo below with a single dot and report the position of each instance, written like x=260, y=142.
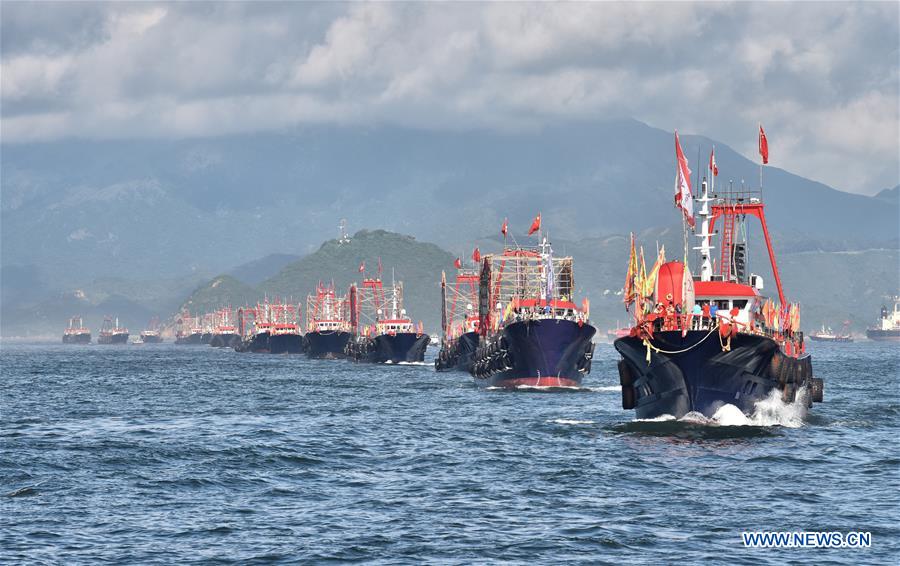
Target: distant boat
x=383, y=331
x=888, y=328
x=327, y=324
x=187, y=329
x=151, y=334
x=826, y=334
x=112, y=333
x=224, y=333
x=76, y=333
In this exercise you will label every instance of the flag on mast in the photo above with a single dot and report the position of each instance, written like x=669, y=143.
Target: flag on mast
x=362, y=267
x=457, y=264
x=712, y=163
x=683, y=197
x=476, y=255
x=535, y=224
x=763, y=145
x=505, y=227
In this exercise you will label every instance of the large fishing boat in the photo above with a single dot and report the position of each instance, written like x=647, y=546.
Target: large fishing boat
x=254, y=328
x=700, y=343
x=459, y=319
x=383, y=333
x=151, y=335
x=532, y=333
x=327, y=323
x=76, y=333
x=224, y=332
x=284, y=333
x=888, y=328
x=207, y=323
x=187, y=329
x=112, y=333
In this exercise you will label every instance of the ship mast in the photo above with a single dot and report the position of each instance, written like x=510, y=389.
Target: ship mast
x=705, y=248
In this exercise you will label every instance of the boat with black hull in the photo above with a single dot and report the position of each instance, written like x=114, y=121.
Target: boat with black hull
x=459, y=321
x=701, y=343
x=224, y=332
x=254, y=329
x=532, y=334
x=152, y=334
x=112, y=333
x=383, y=332
x=284, y=333
x=888, y=328
x=327, y=324
x=826, y=334
x=76, y=333
x=187, y=329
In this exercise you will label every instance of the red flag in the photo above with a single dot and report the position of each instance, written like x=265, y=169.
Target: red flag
x=476, y=255
x=457, y=264
x=362, y=267
x=712, y=163
x=504, y=228
x=763, y=145
x=535, y=225
x=683, y=197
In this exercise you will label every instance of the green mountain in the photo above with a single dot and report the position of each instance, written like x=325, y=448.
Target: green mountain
x=417, y=264
x=220, y=291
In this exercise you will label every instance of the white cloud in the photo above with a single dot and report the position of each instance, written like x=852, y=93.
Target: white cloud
x=823, y=78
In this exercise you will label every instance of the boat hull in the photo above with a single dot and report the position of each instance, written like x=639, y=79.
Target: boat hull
x=190, y=339
x=815, y=338
x=77, y=338
x=326, y=345
x=535, y=353
x=286, y=344
x=883, y=335
x=404, y=347
x=257, y=344
x=458, y=353
x=152, y=339
x=702, y=378
x=224, y=340
x=113, y=339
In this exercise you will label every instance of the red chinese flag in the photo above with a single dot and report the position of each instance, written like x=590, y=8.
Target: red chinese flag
x=763, y=145
x=712, y=163
x=535, y=225
x=457, y=264
x=505, y=227
x=476, y=255
x=362, y=267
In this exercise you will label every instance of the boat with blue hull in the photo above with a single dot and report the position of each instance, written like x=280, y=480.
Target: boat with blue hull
x=531, y=333
x=700, y=343
x=328, y=329
x=459, y=320
x=383, y=332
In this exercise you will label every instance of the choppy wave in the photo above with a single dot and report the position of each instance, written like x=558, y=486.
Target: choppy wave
x=771, y=411
x=570, y=422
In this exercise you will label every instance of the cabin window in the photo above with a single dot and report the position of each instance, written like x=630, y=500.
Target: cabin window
x=722, y=305
x=740, y=303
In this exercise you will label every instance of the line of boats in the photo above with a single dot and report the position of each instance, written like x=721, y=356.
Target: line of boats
x=511, y=319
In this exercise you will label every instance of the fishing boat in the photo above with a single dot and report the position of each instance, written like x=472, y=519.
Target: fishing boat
x=284, y=333
x=112, y=333
x=700, y=343
x=151, y=335
x=888, y=327
x=224, y=332
x=382, y=331
x=327, y=323
x=207, y=323
x=619, y=331
x=187, y=329
x=459, y=319
x=826, y=334
x=76, y=333
x=532, y=333
x=254, y=328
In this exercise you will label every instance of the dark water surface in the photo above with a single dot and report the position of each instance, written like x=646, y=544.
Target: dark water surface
x=165, y=454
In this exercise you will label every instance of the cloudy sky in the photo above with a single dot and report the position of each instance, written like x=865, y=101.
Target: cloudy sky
x=824, y=79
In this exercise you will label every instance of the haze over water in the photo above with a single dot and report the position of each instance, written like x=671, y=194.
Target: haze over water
x=164, y=454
